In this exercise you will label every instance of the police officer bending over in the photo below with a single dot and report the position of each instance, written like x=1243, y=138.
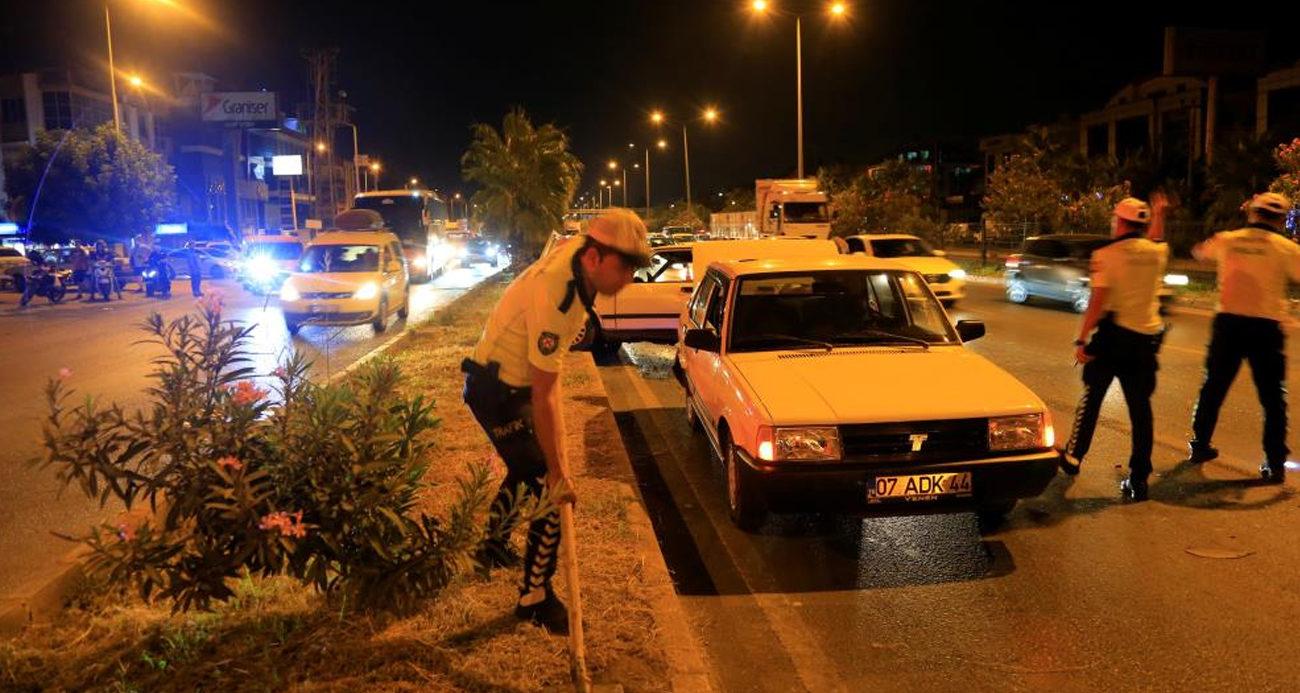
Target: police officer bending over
x=1254, y=265
x=512, y=387
x=1124, y=308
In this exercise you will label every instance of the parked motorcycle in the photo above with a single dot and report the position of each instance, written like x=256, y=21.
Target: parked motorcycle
x=103, y=281
x=46, y=282
x=157, y=277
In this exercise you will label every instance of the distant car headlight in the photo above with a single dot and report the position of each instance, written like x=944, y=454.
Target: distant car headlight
x=288, y=293
x=491, y=250
x=367, y=290
x=801, y=444
x=1176, y=279
x=957, y=273
x=464, y=252
x=261, y=269
x=1030, y=432
x=420, y=262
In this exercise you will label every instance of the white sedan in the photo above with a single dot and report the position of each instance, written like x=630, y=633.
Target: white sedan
x=943, y=275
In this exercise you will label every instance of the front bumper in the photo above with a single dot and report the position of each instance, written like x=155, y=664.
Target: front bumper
x=841, y=487
x=332, y=311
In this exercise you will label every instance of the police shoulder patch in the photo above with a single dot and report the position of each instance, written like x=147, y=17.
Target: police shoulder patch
x=547, y=343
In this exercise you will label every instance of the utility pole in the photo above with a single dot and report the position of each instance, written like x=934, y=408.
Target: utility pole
x=323, y=123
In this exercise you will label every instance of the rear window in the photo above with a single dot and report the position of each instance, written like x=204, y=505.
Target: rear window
x=901, y=247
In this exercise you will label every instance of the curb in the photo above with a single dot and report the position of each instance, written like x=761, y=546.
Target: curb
x=688, y=670
x=43, y=598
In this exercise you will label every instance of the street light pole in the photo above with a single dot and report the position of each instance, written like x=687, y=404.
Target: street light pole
x=356, y=154
x=625, y=186
x=647, y=182
x=798, y=68
x=686, y=155
x=112, y=71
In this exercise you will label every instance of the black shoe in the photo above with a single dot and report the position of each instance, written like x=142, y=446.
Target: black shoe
x=1272, y=474
x=550, y=613
x=1069, y=463
x=491, y=555
x=1202, y=454
x=1134, y=488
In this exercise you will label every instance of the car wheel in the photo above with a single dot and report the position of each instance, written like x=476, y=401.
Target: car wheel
x=606, y=348
x=57, y=293
x=380, y=323
x=743, y=504
x=1016, y=291
x=1080, y=301
x=292, y=326
x=405, y=310
x=991, y=516
x=692, y=419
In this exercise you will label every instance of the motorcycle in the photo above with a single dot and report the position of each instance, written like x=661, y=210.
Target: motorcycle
x=103, y=281
x=157, y=277
x=44, y=282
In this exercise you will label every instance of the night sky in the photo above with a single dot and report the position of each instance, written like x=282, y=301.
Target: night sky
x=898, y=71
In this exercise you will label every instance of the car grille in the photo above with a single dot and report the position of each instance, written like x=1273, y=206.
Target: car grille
x=326, y=294
x=892, y=442
x=937, y=278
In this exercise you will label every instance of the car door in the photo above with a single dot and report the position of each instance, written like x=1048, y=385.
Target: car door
x=709, y=364
x=1036, y=265
x=691, y=360
x=653, y=303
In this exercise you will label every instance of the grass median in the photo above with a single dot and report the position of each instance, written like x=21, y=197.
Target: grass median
x=278, y=635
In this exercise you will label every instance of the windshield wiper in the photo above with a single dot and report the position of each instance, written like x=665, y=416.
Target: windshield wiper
x=788, y=338
x=877, y=335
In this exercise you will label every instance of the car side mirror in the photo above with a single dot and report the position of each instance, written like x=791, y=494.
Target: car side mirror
x=638, y=280
x=704, y=340
x=941, y=253
x=970, y=330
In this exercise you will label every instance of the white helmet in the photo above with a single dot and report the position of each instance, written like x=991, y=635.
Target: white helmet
x=1133, y=209
x=1271, y=203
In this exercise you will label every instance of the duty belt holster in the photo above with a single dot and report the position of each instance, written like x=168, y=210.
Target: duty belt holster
x=484, y=390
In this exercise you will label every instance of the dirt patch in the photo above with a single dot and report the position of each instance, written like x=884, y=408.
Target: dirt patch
x=277, y=635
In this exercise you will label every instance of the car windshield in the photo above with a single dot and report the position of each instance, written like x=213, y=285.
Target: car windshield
x=901, y=247
x=275, y=251
x=839, y=308
x=9, y=252
x=806, y=213
x=340, y=258
x=667, y=267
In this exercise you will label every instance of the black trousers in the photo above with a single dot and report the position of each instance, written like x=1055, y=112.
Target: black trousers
x=1261, y=342
x=1130, y=357
x=506, y=415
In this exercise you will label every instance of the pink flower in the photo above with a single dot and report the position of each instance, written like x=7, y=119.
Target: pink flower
x=126, y=532
x=245, y=392
x=212, y=302
x=65, y=372
x=279, y=372
x=231, y=463
x=288, y=525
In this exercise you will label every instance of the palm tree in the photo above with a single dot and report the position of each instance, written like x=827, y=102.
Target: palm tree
x=526, y=177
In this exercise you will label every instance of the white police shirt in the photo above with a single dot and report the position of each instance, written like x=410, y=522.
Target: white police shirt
x=1254, y=265
x=1133, y=269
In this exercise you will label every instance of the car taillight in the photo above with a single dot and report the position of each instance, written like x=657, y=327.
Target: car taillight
x=1013, y=261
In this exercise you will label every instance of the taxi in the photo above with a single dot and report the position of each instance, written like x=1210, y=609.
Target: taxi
x=946, y=279
x=347, y=278
x=840, y=385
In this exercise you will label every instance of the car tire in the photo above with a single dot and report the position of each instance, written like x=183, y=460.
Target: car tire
x=57, y=293
x=380, y=323
x=405, y=310
x=1017, y=292
x=743, y=504
x=1080, y=301
x=606, y=348
x=292, y=327
x=991, y=516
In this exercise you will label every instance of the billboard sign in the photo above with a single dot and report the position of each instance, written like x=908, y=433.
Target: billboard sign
x=286, y=165
x=239, y=107
x=171, y=229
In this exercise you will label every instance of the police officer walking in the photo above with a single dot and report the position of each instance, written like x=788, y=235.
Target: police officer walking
x=512, y=387
x=1124, y=309
x=1254, y=265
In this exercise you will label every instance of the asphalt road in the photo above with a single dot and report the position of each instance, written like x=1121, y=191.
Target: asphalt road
x=1194, y=590
x=97, y=342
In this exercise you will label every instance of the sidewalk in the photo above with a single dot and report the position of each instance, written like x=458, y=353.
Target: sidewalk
x=277, y=635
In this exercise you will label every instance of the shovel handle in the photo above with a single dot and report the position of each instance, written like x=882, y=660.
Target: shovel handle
x=577, y=649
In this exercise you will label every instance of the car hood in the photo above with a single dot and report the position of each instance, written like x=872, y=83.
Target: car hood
x=334, y=282
x=882, y=384
x=926, y=265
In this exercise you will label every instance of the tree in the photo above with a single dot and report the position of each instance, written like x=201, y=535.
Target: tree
x=1287, y=157
x=526, y=177
x=90, y=184
x=1242, y=167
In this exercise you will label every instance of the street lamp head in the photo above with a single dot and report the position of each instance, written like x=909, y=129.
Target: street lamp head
x=415, y=181
x=711, y=114
x=604, y=184
x=631, y=146
x=618, y=183
x=657, y=117
x=613, y=165
x=759, y=5
x=838, y=9
x=457, y=196
x=135, y=80
x=375, y=167
x=662, y=144
x=320, y=146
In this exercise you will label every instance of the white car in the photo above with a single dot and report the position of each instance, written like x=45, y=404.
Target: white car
x=840, y=385
x=212, y=265
x=13, y=267
x=944, y=276
x=347, y=278
x=268, y=261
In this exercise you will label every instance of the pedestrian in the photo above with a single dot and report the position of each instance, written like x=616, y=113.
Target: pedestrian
x=195, y=268
x=80, y=266
x=1124, y=309
x=512, y=387
x=1254, y=265
x=139, y=258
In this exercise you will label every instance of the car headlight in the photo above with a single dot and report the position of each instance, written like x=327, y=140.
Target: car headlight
x=288, y=293
x=261, y=269
x=801, y=444
x=1176, y=279
x=367, y=290
x=420, y=262
x=957, y=273
x=463, y=251
x=1030, y=432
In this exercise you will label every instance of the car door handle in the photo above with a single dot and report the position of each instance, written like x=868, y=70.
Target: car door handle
x=686, y=289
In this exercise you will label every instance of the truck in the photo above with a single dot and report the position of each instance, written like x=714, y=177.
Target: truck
x=733, y=224
x=791, y=207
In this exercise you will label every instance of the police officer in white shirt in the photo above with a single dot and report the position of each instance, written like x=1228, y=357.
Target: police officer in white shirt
x=1124, y=308
x=1254, y=265
x=512, y=387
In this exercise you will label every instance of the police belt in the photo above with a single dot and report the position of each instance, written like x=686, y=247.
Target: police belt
x=1113, y=339
x=484, y=387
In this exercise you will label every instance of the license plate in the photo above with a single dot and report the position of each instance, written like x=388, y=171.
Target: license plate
x=317, y=308
x=920, y=487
